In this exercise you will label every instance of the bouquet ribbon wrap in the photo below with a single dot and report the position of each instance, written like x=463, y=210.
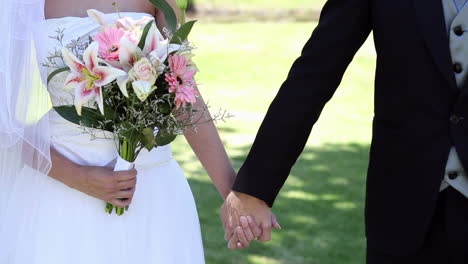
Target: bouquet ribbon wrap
x=123, y=165
x=120, y=165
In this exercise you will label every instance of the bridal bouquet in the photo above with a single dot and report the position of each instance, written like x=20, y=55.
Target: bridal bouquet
x=133, y=82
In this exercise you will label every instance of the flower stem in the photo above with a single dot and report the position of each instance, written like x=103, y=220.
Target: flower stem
x=182, y=16
x=127, y=152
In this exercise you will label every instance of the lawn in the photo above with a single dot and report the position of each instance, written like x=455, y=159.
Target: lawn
x=264, y=4
x=321, y=207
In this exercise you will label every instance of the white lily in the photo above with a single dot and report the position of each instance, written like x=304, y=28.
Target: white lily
x=154, y=48
x=88, y=78
x=159, y=56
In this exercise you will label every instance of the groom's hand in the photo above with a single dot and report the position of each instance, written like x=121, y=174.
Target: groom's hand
x=236, y=212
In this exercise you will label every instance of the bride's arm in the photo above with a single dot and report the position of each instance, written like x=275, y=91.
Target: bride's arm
x=206, y=142
x=209, y=149
x=99, y=182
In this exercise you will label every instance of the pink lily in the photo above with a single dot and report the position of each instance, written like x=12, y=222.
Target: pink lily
x=131, y=53
x=88, y=78
x=133, y=28
x=129, y=24
x=97, y=16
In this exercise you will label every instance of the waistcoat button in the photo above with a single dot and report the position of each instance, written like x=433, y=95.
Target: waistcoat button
x=453, y=175
x=457, y=68
x=454, y=119
x=458, y=30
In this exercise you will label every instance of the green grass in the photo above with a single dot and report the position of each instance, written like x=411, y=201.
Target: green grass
x=321, y=206
x=264, y=4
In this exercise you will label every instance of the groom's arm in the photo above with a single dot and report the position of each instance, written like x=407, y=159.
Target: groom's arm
x=343, y=27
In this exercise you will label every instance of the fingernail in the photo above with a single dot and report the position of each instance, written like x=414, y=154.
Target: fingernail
x=239, y=245
x=249, y=218
x=244, y=221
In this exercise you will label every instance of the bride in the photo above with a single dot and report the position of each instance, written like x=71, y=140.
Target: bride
x=55, y=179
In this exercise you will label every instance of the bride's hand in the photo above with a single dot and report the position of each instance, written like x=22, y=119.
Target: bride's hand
x=114, y=187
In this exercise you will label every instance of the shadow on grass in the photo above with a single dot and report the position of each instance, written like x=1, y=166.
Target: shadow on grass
x=320, y=209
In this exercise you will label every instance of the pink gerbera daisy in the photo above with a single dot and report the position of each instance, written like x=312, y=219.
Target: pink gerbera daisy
x=109, y=43
x=181, y=81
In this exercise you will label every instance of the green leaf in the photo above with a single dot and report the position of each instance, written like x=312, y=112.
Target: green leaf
x=147, y=138
x=110, y=114
x=142, y=42
x=163, y=139
x=129, y=132
x=181, y=35
x=52, y=75
x=169, y=14
x=164, y=108
x=89, y=117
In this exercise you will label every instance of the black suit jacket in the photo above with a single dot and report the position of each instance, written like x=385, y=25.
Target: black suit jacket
x=419, y=113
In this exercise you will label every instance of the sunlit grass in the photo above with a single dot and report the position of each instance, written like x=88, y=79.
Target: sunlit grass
x=321, y=206
x=265, y=4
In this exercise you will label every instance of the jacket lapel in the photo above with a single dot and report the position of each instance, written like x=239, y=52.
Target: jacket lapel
x=431, y=20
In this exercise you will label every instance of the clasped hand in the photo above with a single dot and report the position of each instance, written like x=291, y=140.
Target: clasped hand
x=245, y=219
x=114, y=187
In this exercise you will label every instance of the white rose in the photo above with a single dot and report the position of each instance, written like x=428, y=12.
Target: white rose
x=143, y=70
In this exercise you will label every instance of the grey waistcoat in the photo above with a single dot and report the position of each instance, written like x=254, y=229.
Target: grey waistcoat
x=456, y=20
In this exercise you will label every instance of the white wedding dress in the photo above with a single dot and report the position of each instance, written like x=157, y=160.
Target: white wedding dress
x=46, y=222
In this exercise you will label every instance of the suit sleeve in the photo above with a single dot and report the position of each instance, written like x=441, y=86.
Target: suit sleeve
x=343, y=27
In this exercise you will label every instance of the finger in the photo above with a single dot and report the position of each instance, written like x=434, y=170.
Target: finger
x=235, y=244
x=120, y=203
x=127, y=194
x=228, y=232
x=232, y=242
x=129, y=200
x=275, y=222
x=125, y=175
x=230, y=226
x=266, y=233
x=122, y=185
x=245, y=226
x=239, y=245
x=256, y=230
x=243, y=242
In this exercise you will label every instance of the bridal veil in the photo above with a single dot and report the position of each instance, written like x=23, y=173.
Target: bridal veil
x=24, y=100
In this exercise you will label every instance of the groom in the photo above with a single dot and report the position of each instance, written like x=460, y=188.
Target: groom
x=417, y=189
